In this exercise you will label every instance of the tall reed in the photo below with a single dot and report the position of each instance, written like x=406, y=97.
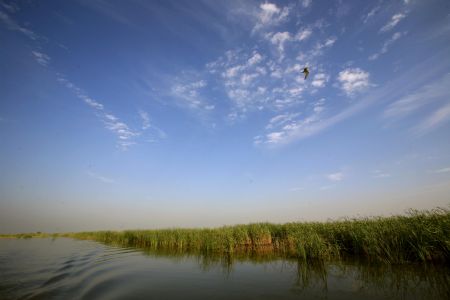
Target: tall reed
x=416, y=236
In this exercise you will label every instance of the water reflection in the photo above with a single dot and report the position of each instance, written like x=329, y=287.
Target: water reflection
x=411, y=281
x=69, y=269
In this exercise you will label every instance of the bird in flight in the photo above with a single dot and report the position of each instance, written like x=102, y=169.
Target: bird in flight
x=306, y=72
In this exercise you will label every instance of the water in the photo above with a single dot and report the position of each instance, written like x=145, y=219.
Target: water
x=72, y=269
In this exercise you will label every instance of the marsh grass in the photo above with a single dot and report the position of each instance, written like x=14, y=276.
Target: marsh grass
x=418, y=236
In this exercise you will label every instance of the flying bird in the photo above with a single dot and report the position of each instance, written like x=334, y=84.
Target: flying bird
x=306, y=72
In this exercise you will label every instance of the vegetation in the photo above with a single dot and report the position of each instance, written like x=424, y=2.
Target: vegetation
x=418, y=236
x=28, y=235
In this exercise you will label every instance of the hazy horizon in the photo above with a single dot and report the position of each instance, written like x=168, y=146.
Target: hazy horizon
x=156, y=114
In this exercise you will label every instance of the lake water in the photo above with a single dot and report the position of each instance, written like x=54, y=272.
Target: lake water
x=72, y=269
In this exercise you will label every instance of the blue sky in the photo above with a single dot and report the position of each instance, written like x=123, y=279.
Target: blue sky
x=148, y=114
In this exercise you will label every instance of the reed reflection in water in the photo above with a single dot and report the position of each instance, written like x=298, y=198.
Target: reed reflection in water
x=72, y=269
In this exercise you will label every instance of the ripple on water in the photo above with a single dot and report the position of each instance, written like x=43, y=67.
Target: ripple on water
x=70, y=269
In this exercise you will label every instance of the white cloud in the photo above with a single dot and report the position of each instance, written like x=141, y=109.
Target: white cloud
x=353, y=80
x=255, y=59
x=284, y=128
x=275, y=137
x=303, y=34
x=248, y=78
x=319, y=80
x=190, y=93
x=269, y=15
x=393, y=22
x=279, y=39
x=232, y=72
x=338, y=176
x=253, y=82
x=316, y=122
x=122, y=130
x=279, y=120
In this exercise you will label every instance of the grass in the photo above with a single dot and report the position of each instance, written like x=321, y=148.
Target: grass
x=418, y=236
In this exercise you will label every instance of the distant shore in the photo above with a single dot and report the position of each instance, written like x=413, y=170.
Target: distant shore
x=418, y=236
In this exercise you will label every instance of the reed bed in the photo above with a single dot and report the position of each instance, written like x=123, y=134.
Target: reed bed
x=418, y=236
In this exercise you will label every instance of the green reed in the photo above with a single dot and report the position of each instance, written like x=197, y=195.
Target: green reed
x=418, y=236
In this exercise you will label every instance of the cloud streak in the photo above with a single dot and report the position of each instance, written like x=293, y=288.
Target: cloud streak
x=100, y=177
x=387, y=45
x=427, y=94
x=12, y=25
x=125, y=135
x=395, y=19
x=435, y=120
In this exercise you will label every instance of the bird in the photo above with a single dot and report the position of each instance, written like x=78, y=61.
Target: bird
x=306, y=72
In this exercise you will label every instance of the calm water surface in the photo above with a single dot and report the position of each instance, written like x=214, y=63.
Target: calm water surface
x=72, y=269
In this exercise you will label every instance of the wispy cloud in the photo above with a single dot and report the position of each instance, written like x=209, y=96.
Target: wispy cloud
x=283, y=128
x=435, y=91
x=279, y=39
x=123, y=132
x=100, y=177
x=353, y=80
x=12, y=25
x=145, y=119
x=79, y=93
x=42, y=58
x=380, y=174
x=11, y=7
x=371, y=13
x=296, y=189
x=148, y=126
x=337, y=176
x=441, y=171
x=303, y=34
x=190, y=94
x=306, y=3
x=434, y=120
x=395, y=19
x=387, y=45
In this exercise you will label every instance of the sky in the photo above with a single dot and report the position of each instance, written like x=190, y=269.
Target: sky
x=154, y=114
